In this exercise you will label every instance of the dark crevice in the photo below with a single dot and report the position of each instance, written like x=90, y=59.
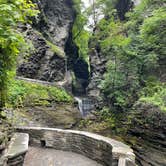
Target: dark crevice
x=123, y=6
x=77, y=64
x=43, y=143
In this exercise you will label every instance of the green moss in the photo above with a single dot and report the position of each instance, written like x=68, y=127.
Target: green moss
x=56, y=49
x=23, y=93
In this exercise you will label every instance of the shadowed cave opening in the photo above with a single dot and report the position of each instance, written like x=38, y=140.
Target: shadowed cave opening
x=43, y=143
x=78, y=65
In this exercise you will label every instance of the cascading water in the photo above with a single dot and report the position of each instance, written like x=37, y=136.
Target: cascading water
x=67, y=78
x=85, y=105
x=67, y=73
x=80, y=105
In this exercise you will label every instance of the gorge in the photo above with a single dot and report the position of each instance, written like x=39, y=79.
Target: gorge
x=95, y=67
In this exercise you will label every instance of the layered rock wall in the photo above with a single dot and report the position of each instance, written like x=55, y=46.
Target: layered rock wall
x=48, y=35
x=148, y=126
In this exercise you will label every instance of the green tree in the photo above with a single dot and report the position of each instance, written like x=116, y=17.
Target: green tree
x=12, y=13
x=121, y=78
x=80, y=35
x=134, y=50
x=153, y=33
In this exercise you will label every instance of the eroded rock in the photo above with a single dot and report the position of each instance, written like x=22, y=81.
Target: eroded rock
x=48, y=34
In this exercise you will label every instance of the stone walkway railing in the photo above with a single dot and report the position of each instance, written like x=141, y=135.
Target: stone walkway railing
x=16, y=150
x=65, y=84
x=104, y=150
x=37, y=81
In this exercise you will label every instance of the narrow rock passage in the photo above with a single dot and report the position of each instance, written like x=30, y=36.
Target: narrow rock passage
x=49, y=157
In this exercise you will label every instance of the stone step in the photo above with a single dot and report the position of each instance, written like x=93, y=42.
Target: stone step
x=17, y=149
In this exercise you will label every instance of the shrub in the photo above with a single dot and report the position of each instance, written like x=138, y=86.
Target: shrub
x=23, y=93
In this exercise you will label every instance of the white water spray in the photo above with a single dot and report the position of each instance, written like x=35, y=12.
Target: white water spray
x=80, y=105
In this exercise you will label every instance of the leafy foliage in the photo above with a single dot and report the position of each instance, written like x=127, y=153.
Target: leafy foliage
x=134, y=49
x=57, y=50
x=154, y=93
x=80, y=35
x=153, y=32
x=122, y=78
x=30, y=94
x=12, y=13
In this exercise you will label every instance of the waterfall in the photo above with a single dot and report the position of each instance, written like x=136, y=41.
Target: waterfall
x=80, y=105
x=68, y=77
x=66, y=69
x=85, y=105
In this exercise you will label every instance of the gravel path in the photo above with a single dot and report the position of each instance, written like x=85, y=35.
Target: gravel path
x=50, y=157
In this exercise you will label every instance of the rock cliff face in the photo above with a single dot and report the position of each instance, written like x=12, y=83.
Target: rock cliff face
x=98, y=68
x=48, y=34
x=55, y=20
x=148, y=128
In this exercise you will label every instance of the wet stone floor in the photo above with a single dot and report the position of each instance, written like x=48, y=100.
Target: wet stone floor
x=51, y=157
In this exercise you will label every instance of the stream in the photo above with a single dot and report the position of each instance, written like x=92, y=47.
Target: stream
x=85, y=105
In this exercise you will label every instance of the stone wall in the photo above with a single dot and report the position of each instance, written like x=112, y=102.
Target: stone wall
x=101, y=149
x=15, y=152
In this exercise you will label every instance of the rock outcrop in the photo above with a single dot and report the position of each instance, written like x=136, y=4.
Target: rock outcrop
x=48, y=35
x=148, y=129
x=98, y=68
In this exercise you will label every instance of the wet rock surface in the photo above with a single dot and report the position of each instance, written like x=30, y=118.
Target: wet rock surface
x=55, y=20
x=98, y=68
x=59, y=116
x=43, y=63
x=148, y=131
x=48, y=36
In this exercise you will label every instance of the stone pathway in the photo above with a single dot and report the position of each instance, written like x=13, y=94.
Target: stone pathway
x=50, y=157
